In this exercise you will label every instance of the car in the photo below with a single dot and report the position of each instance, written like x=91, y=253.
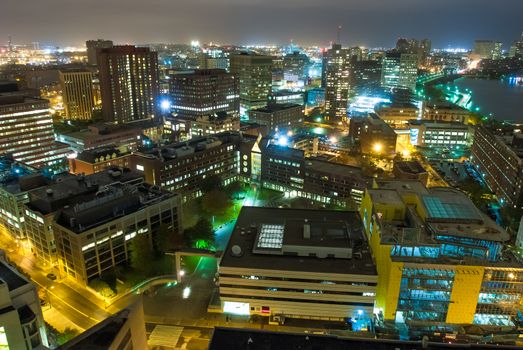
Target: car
x=51, y=276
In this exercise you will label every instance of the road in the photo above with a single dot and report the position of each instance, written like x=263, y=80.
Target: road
x=74, y=302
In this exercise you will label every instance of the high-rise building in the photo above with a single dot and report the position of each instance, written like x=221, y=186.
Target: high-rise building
x=21, y=321
x=488, y=49
x=128, y=83
x=93, y=46
x=26, y=132
x=295, y=67
x=440, y=260
x=204, y=92
x=77, y=94
x=336, y=62
x=399, y=70
x=254, y=74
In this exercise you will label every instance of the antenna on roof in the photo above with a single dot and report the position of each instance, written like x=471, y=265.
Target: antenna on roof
x=338, y=35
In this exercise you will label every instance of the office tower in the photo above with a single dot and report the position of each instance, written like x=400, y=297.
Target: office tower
x=301, y=264
x=295, y=67
x=204, y=102
x=211, y=94
x=366, y=75
x=399, y=70
x=277, y=116
x=26, y=132
x=439, y=258
x=77, y=94
x=21, y=322
x=488, y=49
x=254, y=74
x=93, y=46
x=336, y=62
x=424, y=51
x=128, y=83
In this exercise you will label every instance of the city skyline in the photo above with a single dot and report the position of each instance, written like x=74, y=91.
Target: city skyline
x=365, y=23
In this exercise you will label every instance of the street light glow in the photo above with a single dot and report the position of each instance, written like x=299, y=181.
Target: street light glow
x=378, y=147
x=186, y=292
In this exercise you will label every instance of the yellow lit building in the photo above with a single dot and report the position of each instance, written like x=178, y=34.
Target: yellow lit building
x=439, y=259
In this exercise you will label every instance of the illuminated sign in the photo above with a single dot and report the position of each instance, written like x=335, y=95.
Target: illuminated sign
x=236, y=308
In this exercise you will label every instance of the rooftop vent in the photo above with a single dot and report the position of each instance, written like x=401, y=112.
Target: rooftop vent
x=49, y=191
x=236, y=250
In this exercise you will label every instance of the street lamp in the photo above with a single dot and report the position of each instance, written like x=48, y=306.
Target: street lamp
x=377, y=147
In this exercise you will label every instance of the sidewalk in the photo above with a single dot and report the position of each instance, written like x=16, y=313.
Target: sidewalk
x=57, y=320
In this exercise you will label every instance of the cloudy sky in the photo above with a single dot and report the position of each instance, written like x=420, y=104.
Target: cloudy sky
x=364, y=22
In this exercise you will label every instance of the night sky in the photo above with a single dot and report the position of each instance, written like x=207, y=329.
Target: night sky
x=365, y=22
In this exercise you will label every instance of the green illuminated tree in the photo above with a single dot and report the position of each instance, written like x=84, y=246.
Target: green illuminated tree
x=201, y=235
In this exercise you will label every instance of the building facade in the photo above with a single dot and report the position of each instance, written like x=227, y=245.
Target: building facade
x=427, y=133
x=254, y=74
x=182, y=167
x=500, y=163
x=21, y=321
x=446, y=112
x=94, y=235
x=46, y=201
x=278, y=117
x=399, y=70
x=93, y=46
x=298, y=263
x=397, y=115
x=377, y=137
x=26, y=132
x=440, y=260
x=128, y=82
x=204, y=93
x=77, y=94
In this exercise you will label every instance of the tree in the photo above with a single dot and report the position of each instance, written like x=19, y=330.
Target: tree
x=201, y=235
x=215, y=202
x=166, y=239
x=211, y=183
x=102, y=288
x=141, y=254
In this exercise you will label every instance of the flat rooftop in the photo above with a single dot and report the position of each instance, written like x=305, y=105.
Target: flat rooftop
x=11, y=277
x=48, y=199
x=100, y=336
x=261, y=236
x=192, y=146
x=410, y=167
x=439, y=124
x=276, y=107
x=255, y=339
x=107, y=204
x=90, y=156
x=332, y=168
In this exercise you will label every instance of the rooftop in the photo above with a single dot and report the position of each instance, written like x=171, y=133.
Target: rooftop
x=108, y=203
x=69, y=190
x=94, y=155
x=434, y=215
x=194, y=145
x=321, y=241
x=100, y=336
x=254, y=339
x=410, y=167
x=439, y=124
x=332, y=168
x=9, y=275
x=276, y=107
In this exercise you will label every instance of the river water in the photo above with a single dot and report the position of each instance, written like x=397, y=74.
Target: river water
x=502, y=98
